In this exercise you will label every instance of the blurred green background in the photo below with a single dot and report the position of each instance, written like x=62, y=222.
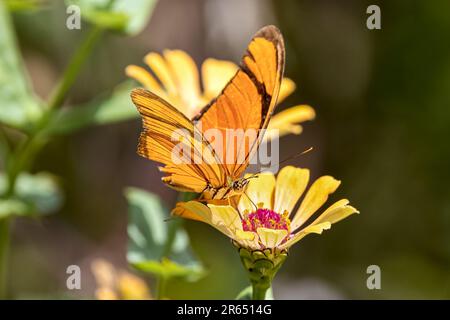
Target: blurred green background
x=382, y=99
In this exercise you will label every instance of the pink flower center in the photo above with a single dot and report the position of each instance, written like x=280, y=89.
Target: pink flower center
x=265, y=218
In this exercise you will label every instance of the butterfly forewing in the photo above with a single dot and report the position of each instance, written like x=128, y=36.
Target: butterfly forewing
x=243, y=110
x=222, y=138
x=170, y=138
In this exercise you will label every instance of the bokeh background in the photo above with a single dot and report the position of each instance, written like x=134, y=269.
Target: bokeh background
x=382, y=99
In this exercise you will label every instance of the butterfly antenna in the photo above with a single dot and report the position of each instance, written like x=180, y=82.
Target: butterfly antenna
x=253, y=175
x=288, y=159
x=296, y=155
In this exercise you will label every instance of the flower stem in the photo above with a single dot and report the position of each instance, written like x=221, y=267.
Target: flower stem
x=262, y=266
x=74, y=68
x=4, y=249
x=171, y=234
x=259, y=292
x=21, y=158
x=161, y=287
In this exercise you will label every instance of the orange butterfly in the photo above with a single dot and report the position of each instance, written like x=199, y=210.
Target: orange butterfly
x=204, y=163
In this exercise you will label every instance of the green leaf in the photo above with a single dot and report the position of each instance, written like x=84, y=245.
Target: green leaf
x=128, y=17
x=19, y=107
x=149, y=236
x=24, y=5
x=36, y=194
x=246, y=294
x=117, y=107
x=14, y=207
x=169, y=269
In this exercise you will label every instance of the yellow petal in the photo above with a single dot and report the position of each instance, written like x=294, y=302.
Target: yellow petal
x=226, y=215
x=132, y=287
x=337, y=204
x=271, y=238
x=317, y=228
x=226, y=219
x=245, y=235
x=104, y=273
x=286, y=88
x=215, y=75
x=287, y=121
x=247, y=239
x=336, y=212
x=185, y=75
x=291, y=182
x=159, y=66
x=245, y=206
x=104, y=293
x=144, y=77
x=259, y=190
x=316, y=196
x=192, y=210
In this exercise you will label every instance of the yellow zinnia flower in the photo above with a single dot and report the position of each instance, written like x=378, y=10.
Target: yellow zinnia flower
x=262, y=224
x=263, y=218
x=113, y=284
x=176, y=79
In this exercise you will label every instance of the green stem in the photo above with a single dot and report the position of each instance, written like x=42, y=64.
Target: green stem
x=259, y=292
x=161, y=287
x=171, y=234
x=26, y=151
x=24, y=154
x=29, y=148
x=5, y=147
x=74, y=67
x=176, y=223
x=4, y=249
x=262, y=266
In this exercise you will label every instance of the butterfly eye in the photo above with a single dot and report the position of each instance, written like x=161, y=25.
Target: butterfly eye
x=240, y=184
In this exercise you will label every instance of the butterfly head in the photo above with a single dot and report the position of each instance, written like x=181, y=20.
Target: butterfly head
x=238, y=186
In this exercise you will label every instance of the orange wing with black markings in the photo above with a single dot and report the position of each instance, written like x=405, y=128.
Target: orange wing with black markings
x=245, y=105
x=169, y=138
x=248, y=101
